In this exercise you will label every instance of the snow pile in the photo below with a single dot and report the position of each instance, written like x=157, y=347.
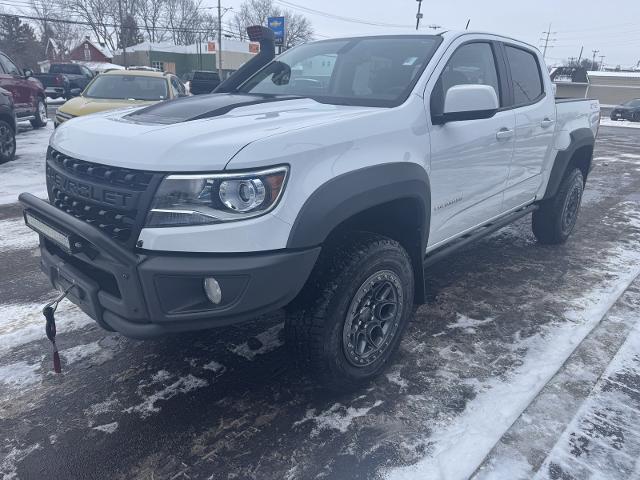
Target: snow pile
x=91, y=351
x=214, y=366
x=9, y=465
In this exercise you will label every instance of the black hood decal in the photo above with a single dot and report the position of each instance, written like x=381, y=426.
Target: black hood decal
x=198, y=107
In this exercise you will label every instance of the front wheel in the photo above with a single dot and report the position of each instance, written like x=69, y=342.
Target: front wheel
x=636, y=117
x=348, y=321
x=40, y=119
x=7, y=142
x=554, y=221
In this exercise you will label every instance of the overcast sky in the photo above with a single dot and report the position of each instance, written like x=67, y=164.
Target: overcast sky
x=613, y=26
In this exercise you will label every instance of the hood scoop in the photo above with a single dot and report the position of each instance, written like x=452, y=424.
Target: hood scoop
x=199, y=107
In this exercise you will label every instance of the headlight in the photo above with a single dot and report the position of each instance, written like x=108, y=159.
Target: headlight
x=215, y=198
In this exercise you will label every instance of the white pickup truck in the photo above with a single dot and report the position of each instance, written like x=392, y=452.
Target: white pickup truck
x=324, y=180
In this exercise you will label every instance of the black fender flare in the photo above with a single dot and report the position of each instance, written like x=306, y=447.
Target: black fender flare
x=351, y=193
x=582, y=137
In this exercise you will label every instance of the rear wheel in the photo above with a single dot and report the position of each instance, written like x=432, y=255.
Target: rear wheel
x=7, y=142
x=349, y=319
x=40, y=119
x=554, y=221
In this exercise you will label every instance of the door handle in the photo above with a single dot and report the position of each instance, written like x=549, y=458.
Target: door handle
x=546, y=123
x=504, y=134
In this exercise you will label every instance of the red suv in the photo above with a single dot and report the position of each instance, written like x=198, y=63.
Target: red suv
x=27, y=92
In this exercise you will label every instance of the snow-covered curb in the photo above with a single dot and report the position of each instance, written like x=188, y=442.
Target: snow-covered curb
x=461, y=446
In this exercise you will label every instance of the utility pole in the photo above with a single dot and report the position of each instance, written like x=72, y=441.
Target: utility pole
x=593, y=61
x=580, y=56
x=219, y=52
x=419, y=15
x=602, y=57
x=122, y=40
x=546, y=40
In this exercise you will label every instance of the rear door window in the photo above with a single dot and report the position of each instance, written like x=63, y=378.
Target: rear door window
x=525, y=75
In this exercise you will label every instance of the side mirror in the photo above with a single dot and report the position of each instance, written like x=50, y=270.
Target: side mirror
x=75, y=92
x=468, y=102
x=28, y=73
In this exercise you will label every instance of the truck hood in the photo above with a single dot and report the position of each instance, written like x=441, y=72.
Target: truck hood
x=203, y=136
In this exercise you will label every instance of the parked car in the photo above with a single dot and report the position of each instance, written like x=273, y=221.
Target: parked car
x=627, y=111
x=8, y=127
x=65, y=80
x=209, y=211
x=28, y=96
x=203, y=81
x=121, y=88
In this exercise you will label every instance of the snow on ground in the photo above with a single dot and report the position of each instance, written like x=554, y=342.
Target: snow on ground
x=262, y=343
x=20, y=374
x=603, y=439
x=15, y=235
x=24, y=323
x=607, y=122
x=459, y=447
x=26, y=172
x=182, y=385
x=339, y=417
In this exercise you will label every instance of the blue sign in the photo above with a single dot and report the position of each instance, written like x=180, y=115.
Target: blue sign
x=277, y=25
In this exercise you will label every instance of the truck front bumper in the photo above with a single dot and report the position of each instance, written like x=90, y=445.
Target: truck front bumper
x=147, y=294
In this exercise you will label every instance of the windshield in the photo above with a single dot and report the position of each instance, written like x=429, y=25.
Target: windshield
x=633, y=103
x=370, y=71
x=127, y=87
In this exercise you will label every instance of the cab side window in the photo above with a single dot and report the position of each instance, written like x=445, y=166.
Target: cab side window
x=473, y=63
x=8, y=66
x=525, y=74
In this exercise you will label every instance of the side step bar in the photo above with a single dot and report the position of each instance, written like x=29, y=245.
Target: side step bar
x=471, y=237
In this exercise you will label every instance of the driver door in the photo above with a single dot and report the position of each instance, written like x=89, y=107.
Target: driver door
x=470, y=159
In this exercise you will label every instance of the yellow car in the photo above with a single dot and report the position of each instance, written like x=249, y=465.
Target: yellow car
x=121, y=88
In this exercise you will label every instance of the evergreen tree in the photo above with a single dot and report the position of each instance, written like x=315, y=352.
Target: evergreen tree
x=18, y=40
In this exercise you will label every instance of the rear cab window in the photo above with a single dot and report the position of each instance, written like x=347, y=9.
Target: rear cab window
x=526, y=76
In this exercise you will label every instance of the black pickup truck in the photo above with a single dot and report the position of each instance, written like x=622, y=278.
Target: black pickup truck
x=65, y=80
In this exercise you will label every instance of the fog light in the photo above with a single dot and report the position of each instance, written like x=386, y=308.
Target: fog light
x=212, y=289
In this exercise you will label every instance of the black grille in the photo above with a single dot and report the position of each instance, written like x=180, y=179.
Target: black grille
x=123, y=177
x=114, y=200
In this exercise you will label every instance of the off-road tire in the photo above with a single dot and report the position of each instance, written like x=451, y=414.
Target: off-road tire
x=554, y=221
x=315, y=327
x=7, y=142
x=40, y=114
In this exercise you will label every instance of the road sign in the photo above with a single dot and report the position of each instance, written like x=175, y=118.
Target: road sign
x=277, y=25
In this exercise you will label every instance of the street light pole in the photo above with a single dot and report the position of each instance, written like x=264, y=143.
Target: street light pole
x=419, y=15
x=593, y=61
x=219, y=52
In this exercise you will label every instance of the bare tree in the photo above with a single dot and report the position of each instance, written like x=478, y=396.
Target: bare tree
x=65, y=35
x=150, y=15
x=256, y=12
x=100, y=15
x=184, y=20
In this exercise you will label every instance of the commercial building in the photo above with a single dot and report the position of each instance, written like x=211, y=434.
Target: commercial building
x=181, y=59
